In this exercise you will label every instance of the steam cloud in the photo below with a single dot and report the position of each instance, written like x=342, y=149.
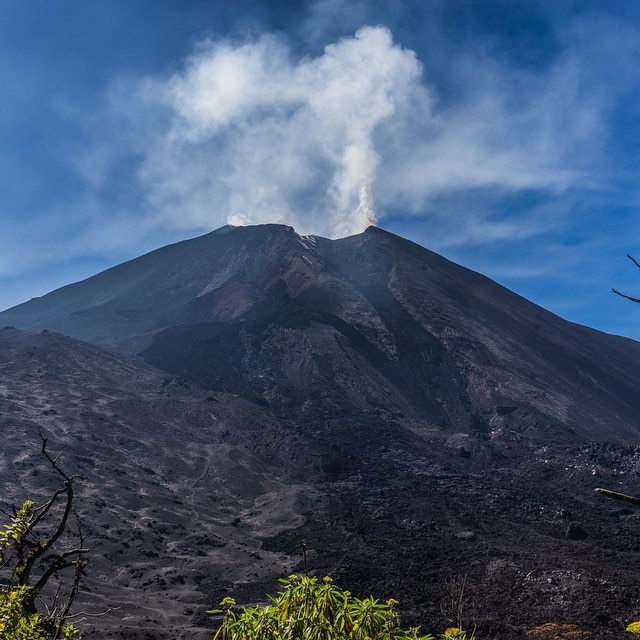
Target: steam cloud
x=261, y=137
x=250, y=132
x=472, y=145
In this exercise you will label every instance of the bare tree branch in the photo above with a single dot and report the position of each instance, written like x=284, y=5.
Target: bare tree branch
x=35, y=559
x=624, y=295
x=634, y=260
x=38, y=549
x=619, y=496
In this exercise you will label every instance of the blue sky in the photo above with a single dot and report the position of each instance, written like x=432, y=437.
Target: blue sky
x=502, y=134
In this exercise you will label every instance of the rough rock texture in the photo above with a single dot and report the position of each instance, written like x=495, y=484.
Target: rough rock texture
x=410, y=420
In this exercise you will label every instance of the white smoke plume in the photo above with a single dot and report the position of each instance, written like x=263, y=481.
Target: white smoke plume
x=249, y=132
x=258, y=136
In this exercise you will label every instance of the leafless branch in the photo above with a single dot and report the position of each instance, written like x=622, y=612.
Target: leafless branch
x=624, y=295
x=634, y=260
x=619, y=496
x=36, y=560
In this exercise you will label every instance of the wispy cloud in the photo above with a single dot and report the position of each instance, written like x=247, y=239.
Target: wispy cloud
x=504, y=137
x=248, y=132
x=251, y=130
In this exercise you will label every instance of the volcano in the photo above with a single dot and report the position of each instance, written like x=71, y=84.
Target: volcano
x=410, y=422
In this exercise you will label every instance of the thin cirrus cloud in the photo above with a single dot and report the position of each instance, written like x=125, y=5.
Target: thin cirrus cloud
x=248, y=133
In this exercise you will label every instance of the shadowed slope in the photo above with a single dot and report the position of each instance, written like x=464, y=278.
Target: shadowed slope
x=407, y=418
x=370, y=321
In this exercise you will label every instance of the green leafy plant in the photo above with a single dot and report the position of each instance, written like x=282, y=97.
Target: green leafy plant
x=311, y=609
x=34, y=557
x=15, y=624
x=634, y=627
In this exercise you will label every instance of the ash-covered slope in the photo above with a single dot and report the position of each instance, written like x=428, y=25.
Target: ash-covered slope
x=162, y=288
x=180, y=485
x=410, y=420
x=192, y=495
x=370, y=322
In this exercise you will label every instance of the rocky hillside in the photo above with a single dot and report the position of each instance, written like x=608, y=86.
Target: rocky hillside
x=410, y=420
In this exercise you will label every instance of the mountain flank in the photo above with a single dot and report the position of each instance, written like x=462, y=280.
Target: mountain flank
x=410, y=420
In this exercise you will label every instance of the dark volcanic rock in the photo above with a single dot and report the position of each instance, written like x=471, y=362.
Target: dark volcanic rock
x=369, y=322
x=169, y=469
x=576, y=532
x=410, y=420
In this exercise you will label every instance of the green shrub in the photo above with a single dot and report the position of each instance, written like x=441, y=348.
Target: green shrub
x=634, y=627
x=15, y=623
x=308, y=609
x=40, y=567
x=18, y=618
